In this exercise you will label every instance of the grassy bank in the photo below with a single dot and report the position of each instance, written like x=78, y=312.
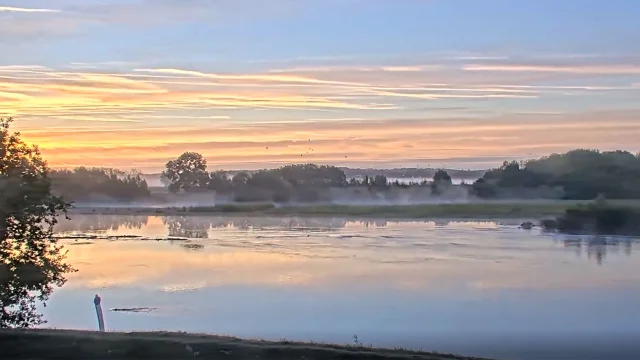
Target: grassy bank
x=81, y=345
x=519, y=209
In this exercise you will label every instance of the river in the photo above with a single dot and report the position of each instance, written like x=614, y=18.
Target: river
x=469, y=287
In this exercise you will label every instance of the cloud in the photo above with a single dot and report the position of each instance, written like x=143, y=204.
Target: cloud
x=402, y=68
x=389, y=68
x=570, y=69
x=38, y=91
x=82, y=18
x=123, y=114
x=26, y=10
x=50, y=91
x=19, y=27
x=248, y=77
x=23, y=68
x=342, y=142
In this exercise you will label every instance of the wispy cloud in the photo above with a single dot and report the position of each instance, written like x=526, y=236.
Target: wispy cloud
x=389, y=68
x=343, y=142
x=571, y=69
x=26, y=10
x=248, y=77
x=81, y=18
x=389, y=112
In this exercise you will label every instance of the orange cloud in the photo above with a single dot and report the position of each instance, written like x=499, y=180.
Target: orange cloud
x=343, y=142
x=407, y=113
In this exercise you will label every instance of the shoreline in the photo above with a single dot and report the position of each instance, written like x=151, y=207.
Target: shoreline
x=77, y=344
x=535, y=210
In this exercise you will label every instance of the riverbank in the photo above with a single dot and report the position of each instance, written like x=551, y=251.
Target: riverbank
x=513, y=209
x=70, y=344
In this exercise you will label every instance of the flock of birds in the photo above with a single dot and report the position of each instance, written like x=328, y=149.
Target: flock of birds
x=310, y=149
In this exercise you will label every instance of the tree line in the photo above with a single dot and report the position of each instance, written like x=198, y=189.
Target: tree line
x=576, y=175
x=98, y=184
x=297, y=182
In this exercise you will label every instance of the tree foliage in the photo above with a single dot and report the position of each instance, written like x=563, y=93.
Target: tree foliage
x=288, y=183
x=188, y=172
x=379, y=181
x=312, y=174
x=82, y=184
x=580, y=174
x=220, y=182
x=441, y=182
x=442, y=177
x=240, y=179
x=31, y=264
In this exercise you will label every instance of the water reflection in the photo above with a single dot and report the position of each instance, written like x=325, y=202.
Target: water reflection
x=100, y=223
x=598, y=246
x=198, y=226
x=188, y=226
x=177, y=228
x=179, y=252
x=325, y=279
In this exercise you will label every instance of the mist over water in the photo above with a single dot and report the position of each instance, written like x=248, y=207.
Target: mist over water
x=415, y=195
x=473, y=287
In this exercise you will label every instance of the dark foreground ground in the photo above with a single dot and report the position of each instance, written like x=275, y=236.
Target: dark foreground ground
x=81, y=345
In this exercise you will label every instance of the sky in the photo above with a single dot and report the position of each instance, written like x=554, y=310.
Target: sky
x=362, y=83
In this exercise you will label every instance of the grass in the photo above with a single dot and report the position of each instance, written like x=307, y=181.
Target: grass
x=512, y=209
x=69, y=344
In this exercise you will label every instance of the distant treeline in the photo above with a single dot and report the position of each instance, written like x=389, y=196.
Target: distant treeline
x=426, y=173
x=402, y=173
x=299, y=183
x=98, y=184
x=575, y=175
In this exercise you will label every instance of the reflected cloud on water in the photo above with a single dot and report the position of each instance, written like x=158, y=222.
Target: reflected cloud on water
x=178, y=228
x=200, y=251
x=325, y=279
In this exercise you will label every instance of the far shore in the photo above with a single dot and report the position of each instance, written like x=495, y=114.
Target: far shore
x=81, y=345
x=523, y=209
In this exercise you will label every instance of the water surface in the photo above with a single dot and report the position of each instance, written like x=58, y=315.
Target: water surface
x=477, y=288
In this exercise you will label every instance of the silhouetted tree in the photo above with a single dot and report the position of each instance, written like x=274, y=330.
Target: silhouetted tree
x=220, y=182
x=312, y=174
x=380, y=181
x=240, y=179
x=31, y=264
x=269, y=183
x=441, y=182
x=188, y=172
x=354, y=182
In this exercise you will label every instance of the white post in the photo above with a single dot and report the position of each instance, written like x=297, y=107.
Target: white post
x=96, y=302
